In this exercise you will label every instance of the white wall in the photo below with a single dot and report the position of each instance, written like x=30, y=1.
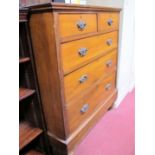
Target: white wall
x=108, y=3
x=125, y=77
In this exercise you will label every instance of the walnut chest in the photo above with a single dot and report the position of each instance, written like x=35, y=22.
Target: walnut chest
x=75, y=50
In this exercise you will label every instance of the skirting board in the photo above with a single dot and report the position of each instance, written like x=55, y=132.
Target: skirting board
x=122, y=93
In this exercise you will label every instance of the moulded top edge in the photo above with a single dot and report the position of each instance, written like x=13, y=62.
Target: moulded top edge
x=64, y=6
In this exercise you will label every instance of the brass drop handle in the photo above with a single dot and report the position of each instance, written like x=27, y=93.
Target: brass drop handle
x=84, y=109
x=81, y=25
x=83, y=78
x=109, y=22
x=109, y=42
x=108, y=86
x=83, y=51
x=109, y=63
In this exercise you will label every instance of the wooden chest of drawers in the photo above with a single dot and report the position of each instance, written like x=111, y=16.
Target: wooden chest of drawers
x=75, y=51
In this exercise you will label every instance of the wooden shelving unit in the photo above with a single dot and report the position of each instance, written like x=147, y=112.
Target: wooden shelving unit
x=24, y=60
x=27, y=134
x=31, y=120
x=25, y=93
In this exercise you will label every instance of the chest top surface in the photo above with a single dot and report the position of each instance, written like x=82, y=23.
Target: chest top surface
x=71, y=7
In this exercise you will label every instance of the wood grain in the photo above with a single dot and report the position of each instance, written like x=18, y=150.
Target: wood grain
x=30, y=111
x=95, y=96
x=84, y=128
x=101, y=68
x=61, y=7
x=56, y=42
x=68, y=24
x=44, y=45
x=103, y=19
x=70, y=144
x=27, y=134
x=97, y=46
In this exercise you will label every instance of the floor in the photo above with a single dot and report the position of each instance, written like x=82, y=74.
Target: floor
x=113, y=134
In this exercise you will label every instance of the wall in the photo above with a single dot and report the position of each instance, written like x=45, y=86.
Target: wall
x=108, y=3
x=125, y=77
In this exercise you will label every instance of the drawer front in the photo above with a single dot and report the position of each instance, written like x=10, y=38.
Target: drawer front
x=108, y=21
x=77, y=24
x=78, y=53
x=81, y=79
x=84, y=106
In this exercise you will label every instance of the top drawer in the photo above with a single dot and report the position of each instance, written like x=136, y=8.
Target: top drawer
x=77, y=24
x=108, y=21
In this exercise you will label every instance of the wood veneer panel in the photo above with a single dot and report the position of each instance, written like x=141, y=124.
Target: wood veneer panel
x=27, y=134
x=93, y=99
x=96, y=46
x=44, y=45
x=68, y=24
x=72, y=81
x=108, y=21
x=24, y=93
x=84, y=129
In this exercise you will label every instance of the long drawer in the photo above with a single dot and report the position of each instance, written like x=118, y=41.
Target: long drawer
x=85, y=105
x=77, y=24
x=77, y=53
x=82, y=79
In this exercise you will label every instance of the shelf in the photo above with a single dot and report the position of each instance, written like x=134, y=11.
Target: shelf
x=33, y=152
x=27, y=134
x=24, y=93
x=23, y=60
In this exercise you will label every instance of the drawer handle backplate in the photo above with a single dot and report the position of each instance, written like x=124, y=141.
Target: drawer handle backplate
x=83, y=78
x=109, y=22
x=83, y=51
x=108, y=86
x=109, y=63
x=109, y=42
x=81, y=25
x=84, y=109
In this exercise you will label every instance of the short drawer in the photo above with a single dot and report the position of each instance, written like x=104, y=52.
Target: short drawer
x=83, y=78
x=108, y=21
x=78, y=53
x=85, y=105
x=77, y=24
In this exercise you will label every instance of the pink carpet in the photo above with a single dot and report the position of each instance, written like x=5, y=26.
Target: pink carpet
x=113, y=134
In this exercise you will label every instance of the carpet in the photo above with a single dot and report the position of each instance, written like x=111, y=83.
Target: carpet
x=114, y=132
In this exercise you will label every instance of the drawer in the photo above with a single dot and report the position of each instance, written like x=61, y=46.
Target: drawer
x=77, y=24
x=108, y=21
x=78, y=53
x=83, y=78
x=84, y=106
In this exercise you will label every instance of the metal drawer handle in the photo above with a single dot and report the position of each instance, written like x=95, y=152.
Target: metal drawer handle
x=109, y=22
x=81, y=25
x=109, y=42
x=109, y=63
x=83, y=51
x=84, y=109
x=83, y=78
x=108, y=86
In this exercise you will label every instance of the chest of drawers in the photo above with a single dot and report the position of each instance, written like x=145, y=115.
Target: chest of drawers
x=75, y=51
